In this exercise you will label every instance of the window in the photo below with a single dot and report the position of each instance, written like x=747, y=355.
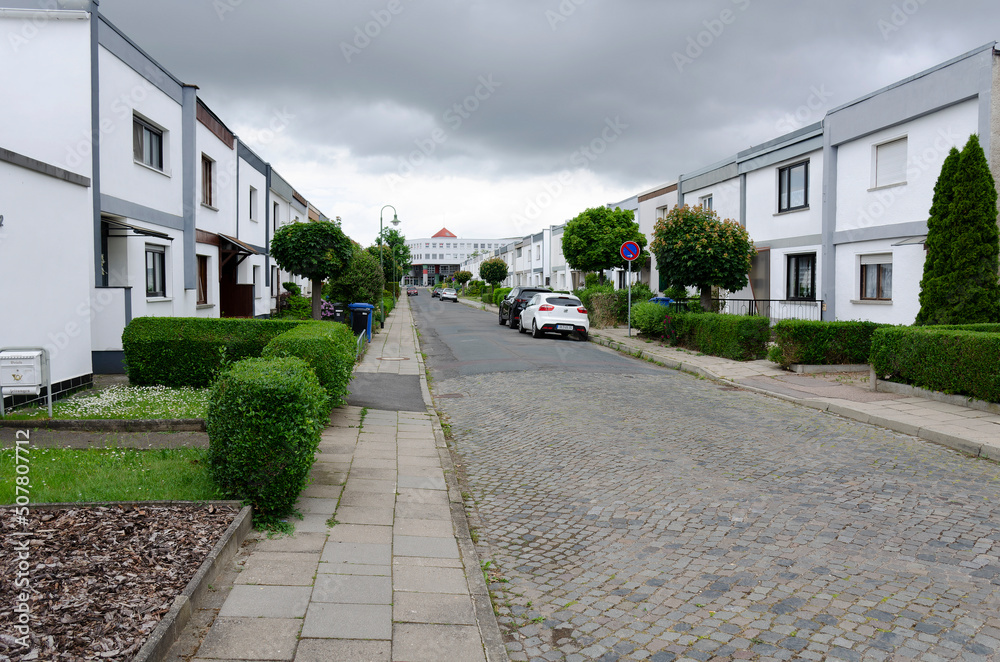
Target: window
x=147, y=143
x=274, y=281
x=793, y=187
x=256, y=282
x=202, y=280
x=156, y=267
x=274, y=217
x=253, y=204
x=207, y=181
x=876, y=277
x=890, y=163
x=706, y=202
x=802, y=276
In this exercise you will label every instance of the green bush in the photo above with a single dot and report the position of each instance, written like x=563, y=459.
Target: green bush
x=602, y=309
x=328, y=348
x=292, y=287
x=822, y=343
x=294, y=307
x=475, y=288
x=190, y=351
x=640, y=292
x=586, y=295
x=737, y=337
x=499, y=294
x=649, y=319
x=264, y=422
x=950, y=361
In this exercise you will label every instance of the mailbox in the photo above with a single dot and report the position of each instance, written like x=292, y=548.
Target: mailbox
x=21, y=372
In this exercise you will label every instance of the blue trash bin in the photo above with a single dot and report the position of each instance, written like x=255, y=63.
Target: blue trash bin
x=361, y=318
x=663, y=301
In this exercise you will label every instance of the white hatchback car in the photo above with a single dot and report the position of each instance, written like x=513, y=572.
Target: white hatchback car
x=547, y=312
x=448, y=294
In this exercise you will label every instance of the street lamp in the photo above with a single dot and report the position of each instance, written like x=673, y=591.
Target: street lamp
x=381, y=256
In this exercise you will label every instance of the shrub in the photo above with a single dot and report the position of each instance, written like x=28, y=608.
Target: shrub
x=360, y=282
x=264, y=422
x=737, y=337
x=474, y=288
x=822, y=343
x=649, y=319
x=190, y=351
x=499, y=294
x=328, y=348
x=951, y=361
x=587, y=295
x=292, y=287
x=602, y=309
x=293, y=307
x=640, y=292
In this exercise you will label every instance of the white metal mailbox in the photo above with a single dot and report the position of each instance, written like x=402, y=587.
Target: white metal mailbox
x=21, y=372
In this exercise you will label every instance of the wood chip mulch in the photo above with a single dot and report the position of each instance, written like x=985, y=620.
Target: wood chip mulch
x=99, y=579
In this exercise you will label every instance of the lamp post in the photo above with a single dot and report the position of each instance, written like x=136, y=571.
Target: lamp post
x=381, y=258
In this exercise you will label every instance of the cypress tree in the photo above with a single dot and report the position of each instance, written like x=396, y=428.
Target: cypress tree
x=964, y=287
x=936, y=260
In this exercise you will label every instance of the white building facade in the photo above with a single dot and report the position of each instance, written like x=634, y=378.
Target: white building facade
x=124, y=195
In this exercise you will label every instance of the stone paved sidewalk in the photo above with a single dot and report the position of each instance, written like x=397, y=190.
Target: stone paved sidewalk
x=381, y=566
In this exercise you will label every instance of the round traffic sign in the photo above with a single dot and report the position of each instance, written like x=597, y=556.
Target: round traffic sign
x=630, y=250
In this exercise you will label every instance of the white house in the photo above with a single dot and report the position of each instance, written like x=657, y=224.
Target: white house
x=441, y=255
x=124, y=194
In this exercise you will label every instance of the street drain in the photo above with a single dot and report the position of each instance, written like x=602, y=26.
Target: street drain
x=449, y=395
x=728, y=388
x=393, y=358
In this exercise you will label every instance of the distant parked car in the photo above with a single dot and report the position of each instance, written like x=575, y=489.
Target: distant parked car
x=436, y=292
x=448, y=294
x=555, y=313
x=412, y=291
x=514, y=302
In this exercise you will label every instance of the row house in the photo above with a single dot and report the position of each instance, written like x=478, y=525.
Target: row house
x=838, y=209
x=125, y=195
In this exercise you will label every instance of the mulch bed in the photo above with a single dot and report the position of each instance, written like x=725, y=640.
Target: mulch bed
x=99, y=578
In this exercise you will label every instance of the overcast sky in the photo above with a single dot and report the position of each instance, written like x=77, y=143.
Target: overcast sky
x=499, y=118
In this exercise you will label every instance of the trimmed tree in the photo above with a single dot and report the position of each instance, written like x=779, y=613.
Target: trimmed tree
x=463, y=277
x=960, y=284
x=362, y=281
x=592, y=241
x=316, y=250
x=493, y=271
x=694, y=247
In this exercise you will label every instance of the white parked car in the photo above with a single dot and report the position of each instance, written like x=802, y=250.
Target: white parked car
x=547, y=312
x=448, y=294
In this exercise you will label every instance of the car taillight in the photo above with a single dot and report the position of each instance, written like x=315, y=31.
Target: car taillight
x=546, y=308
x=581, y=309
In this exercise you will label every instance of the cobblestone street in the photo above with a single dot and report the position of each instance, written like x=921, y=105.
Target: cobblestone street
x=662, y=517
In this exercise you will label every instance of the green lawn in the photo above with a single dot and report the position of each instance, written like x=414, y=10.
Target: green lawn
x=113, y=474
x=125, y=402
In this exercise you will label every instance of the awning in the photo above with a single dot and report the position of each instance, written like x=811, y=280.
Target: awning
x=114, y=223
x=241, y=247
x=912, y=241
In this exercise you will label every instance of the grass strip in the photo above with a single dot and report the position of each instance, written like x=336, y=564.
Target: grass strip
x=108, y=474
x=125, y=402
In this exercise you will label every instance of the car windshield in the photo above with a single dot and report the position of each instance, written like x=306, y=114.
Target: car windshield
x=563, y=301
x=449, y=290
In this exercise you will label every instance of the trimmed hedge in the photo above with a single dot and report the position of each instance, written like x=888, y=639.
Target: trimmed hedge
x=822, y=343
x=952, y=361
x=329, y=349
x=190, y=351
x=499, y=294
x=737, y=337
x=264, y=422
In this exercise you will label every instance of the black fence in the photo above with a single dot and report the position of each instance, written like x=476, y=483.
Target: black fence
x=773, y=309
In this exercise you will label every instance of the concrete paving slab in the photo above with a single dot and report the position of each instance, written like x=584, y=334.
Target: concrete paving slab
x=424, y=579
x=353, y=552
x=327, y=620
x=367, y=499
x=251, y=639
x=364, y=515
x=319, y=491
x=374, y=463
x=353, y=589
x=422, y=482
x=428, y=496
x=363, y=533
x=316, y=505
x=279, y=568
x=366, y=485
x=454, y=609
x=440, y=548
x=328, y=473
x=432, y=643
x=415, y=461
x=429, y=451
x=266, y=602
x=354, y=569
x=311, y=523
x=373, y=474
x=299, y=542
x=423, y=511
x=343, y=650
x=434, y=528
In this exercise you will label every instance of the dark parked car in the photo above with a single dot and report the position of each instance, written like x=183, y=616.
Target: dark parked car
x=436, y=292
x=412, y=291
x=512, y=304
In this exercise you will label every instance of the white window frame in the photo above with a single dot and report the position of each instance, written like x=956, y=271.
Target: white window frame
x=893, y=173
x=140, y=142
x=880, y=261
x=253, y=205
x=706, y=202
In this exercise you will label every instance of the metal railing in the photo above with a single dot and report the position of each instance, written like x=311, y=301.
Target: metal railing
x=773, y=309
x=361, y=345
